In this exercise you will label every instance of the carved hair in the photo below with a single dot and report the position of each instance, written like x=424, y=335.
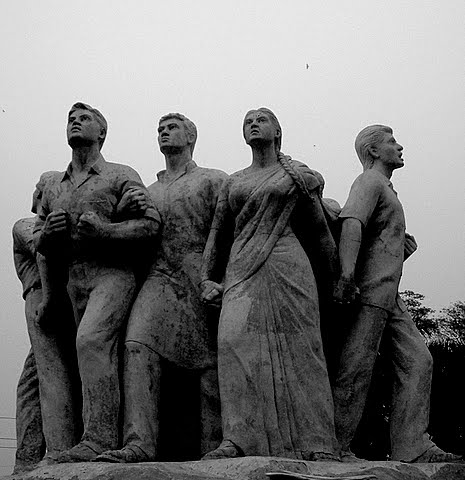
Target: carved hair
x=370, y=136
x=97, y=116
x=298, y=179
x=188, y=125
x=274, y=120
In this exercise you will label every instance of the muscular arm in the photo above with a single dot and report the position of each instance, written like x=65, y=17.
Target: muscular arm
x=91, y=226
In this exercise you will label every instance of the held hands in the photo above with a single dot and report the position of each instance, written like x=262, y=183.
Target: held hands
x=212, y=293
x=346, y=292
x=133, y=202
x=410, y=245
x=90, y=226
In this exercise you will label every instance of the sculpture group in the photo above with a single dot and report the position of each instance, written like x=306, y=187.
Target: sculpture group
x=184, y=320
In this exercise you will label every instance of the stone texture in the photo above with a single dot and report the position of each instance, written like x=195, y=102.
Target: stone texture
x=246, y=468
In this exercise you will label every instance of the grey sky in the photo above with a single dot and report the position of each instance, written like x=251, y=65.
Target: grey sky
x=398, y=63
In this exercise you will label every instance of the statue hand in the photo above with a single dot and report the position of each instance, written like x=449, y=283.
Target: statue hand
x=55, y=224
x=90, y=226
x=346, y=292
x=134, y=201
x=410, y=245
x=212, y=292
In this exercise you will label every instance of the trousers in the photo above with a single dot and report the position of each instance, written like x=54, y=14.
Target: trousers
x=412, y=368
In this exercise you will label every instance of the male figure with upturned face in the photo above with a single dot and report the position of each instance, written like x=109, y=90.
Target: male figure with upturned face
x=171, y=333
x=372, y=249
x=80, y=224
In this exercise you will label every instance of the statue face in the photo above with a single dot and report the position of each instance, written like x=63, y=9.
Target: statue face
x=390, y=152
x=83, y=129
x=259, y=128
x=172, y=135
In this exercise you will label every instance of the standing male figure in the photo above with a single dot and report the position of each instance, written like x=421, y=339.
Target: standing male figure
x=170, y=329
x=80, y=223
x=373, y=247
x=46, y=405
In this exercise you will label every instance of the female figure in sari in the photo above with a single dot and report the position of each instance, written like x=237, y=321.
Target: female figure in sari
x=275, y=393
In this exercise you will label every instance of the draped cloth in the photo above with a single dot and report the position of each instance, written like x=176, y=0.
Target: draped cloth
x=275, y=393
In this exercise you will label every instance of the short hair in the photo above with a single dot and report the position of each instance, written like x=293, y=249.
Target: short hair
x=97, y=115
x=370, y=136
x=274, y=120
x=44, y=178
x=189, y=125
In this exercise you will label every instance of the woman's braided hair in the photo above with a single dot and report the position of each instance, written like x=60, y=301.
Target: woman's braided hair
x=285, y=162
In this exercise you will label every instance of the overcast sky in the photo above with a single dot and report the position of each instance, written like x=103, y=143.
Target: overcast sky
x=398, y=63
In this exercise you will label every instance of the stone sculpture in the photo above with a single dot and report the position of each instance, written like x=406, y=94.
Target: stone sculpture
x=47, y=408
x=79, y=224
x=373, y=247
x=274, y=388
x=170, y=331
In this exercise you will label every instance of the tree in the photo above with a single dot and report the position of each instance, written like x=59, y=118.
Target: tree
x=421, y=314
x=454, y=317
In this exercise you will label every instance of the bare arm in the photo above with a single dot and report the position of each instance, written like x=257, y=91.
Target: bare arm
x=349, y=246
x=91, y=226
x=216, y=253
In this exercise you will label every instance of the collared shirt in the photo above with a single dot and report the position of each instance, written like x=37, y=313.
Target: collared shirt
x=24, y=254
x=186, y=204
x=100, y=192
x=374, y=202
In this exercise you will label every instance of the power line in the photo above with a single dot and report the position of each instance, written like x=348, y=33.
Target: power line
x=7, y=418
x=1, y=446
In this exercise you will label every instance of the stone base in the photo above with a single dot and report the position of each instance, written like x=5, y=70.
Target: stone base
x=247, y=468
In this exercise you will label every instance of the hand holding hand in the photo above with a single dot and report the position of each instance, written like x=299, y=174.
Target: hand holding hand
x=212, y=292
x=346, y=292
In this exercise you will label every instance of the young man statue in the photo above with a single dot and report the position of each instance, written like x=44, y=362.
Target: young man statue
x=171, y=333
x=372, y=249
x=81, y=225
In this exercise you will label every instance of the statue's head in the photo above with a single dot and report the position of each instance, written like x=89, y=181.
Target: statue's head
x=370, y=137
x=96, y=127
x=186, y=133
x=273, y=131
x=39, y=190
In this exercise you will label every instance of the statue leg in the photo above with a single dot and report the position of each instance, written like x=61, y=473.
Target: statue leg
x=97, y=342
x=29, y=437
x=54, y=354
x=210, y=411
x=355, y=370
x=141, y=377
x=141, y=388
x=412, y=373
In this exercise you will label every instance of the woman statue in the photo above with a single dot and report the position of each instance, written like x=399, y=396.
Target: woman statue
x=275, y=393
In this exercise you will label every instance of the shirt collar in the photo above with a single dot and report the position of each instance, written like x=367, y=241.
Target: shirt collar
x=96, y=167
x=382, y=177
x=190, y=165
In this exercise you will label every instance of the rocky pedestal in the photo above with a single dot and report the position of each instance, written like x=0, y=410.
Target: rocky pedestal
x=247, y=468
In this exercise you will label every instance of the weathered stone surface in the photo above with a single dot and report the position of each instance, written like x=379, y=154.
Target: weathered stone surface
x=246, y=468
